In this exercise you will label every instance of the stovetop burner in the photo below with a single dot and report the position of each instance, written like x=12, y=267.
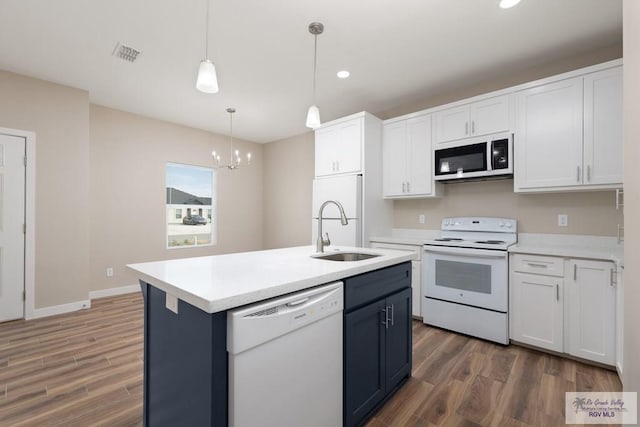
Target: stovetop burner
x=491, y=242
x=448, y=239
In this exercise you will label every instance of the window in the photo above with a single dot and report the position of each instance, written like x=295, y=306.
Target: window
x=190, y=189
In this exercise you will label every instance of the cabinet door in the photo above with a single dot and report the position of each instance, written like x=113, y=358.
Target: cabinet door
x=489, y=116
x=364, y=361
x=348, y=152
x=591, y=304
x=338, y=148
x=419, y=156
x=326, y=143
x=548, y=141
x=452, y=124
x=394, y=155
x=536, y=310
x=603, y=127
x=398, y=339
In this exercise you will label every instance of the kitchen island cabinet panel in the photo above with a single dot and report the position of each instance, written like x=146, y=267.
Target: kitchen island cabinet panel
x=377, y=340
x=185, y=370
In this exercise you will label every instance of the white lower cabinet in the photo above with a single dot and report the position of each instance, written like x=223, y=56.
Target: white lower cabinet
x=564, y=305
x=536, y=310
x=591, y=311
x=416, y=271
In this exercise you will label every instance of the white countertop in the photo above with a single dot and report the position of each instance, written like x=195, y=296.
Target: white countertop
x=218, y=283
x=574, y=246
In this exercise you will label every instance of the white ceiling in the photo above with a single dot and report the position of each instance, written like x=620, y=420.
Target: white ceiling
x=397, y=51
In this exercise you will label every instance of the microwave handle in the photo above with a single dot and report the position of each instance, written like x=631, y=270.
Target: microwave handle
x=477, y=253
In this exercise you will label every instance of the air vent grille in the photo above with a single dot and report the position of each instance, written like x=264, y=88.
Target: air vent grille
x=125, y=52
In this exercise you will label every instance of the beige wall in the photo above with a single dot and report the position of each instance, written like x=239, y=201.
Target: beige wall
x=631, y=370
x=589, y=212
x=59, y=116
x=288, y=174
x=129, y=154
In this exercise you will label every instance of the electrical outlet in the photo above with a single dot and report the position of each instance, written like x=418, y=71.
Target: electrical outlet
x=109, y=271
x=563, y=220
x=421, y=218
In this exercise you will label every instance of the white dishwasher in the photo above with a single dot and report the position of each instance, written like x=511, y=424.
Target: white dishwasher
x=285, y=360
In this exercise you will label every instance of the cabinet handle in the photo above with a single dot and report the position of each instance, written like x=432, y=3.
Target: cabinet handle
x=473, y=126
x=613, y=281
x=408, y=187
x=392, y=313
x=533, y=264
x=619, y=203
x=588, y=173
x=575, y=272
x=333, y=166
x=466, y=128
x=404, y=186
x=386, y=318
x=557, y=292
x=578, y=174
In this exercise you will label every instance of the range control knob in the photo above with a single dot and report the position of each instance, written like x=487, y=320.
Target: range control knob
x=501, y=223
x=509, y=225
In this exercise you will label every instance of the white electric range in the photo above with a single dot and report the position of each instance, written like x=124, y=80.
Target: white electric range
x=466, y=277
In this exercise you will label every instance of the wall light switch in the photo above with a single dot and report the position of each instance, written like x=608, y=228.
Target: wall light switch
x=563, y=220
x=421, y=218
x=172, y=303
x=109, y=271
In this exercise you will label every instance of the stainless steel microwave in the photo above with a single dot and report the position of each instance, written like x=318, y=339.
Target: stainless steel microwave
x=489, y=157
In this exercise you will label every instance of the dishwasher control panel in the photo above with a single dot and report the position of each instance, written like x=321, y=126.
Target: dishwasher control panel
x=254, y=324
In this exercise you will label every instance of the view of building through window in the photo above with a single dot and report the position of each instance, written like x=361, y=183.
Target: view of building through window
x=190, y=205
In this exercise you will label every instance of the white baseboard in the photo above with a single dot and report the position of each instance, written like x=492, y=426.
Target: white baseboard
x=111, y=292
x=60, y=309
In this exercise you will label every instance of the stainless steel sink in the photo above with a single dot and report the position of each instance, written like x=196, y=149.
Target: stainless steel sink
x=346, y=256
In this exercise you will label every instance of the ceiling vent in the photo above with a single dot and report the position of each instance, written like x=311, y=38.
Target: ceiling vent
x=125, y=52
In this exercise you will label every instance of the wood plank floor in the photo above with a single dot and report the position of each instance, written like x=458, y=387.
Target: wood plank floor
x=85, y=369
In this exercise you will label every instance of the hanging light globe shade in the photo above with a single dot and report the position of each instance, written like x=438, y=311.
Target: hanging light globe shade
x=207, y=78
x=313, y=117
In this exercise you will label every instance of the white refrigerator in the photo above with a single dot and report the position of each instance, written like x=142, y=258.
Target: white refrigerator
x=347, y=190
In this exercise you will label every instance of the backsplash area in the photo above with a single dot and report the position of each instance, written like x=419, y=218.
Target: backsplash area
x=590, y=213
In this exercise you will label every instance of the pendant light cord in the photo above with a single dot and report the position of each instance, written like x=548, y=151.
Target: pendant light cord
x=315, y=59
x=206, y=40
x=231, y=136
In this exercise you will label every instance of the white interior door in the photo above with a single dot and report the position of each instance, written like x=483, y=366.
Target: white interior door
x=12, y=220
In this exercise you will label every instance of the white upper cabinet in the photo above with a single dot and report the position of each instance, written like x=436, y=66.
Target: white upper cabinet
x=338, y=148
x=568, y=134
x=548, y=135
x=407, y=158
x=591, y=300
x=475, y=119
x=603, y=127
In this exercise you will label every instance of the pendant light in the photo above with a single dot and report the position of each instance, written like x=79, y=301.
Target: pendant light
x=234, y=156
x=207, y=78
x=313, y=115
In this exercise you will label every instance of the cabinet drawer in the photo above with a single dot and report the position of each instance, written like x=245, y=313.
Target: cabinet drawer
x=367, y=287
x=417, y=250
x=537, y=264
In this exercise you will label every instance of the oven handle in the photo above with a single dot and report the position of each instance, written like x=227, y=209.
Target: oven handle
x=478, y=253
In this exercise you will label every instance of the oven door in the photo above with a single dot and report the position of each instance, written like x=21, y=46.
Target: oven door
x=475, y=277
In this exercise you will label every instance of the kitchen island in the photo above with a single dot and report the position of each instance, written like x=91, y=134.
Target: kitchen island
x=185, y=328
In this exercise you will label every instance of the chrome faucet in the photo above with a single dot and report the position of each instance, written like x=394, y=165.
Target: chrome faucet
x=321, y=242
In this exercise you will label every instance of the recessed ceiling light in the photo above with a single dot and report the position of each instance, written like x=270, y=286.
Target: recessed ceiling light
x=343, y=74
x=506, y=4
